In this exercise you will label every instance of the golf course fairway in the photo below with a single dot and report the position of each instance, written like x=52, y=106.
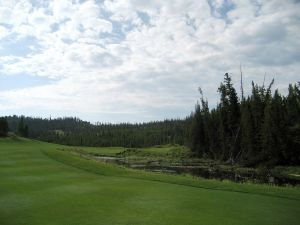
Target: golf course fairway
x=43, y=185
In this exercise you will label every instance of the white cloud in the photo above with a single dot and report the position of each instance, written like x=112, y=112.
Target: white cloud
x=89, y=9
x=40, y=21
x=62, y=9
x=217, y=3
x=3, y=32
x=14, y=12
x=5, y=14
x=119, y=55
x=95, y=26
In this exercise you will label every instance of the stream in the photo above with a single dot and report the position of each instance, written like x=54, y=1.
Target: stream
x=204, y=171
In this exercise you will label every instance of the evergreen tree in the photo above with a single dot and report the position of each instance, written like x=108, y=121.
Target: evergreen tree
x=247, y=133
x=261, y=129
x=292, y=154
x=22, y=128
x=74, y=131
x=230, y=118
x=3, y=127
x=274, y=131
x=197, y=132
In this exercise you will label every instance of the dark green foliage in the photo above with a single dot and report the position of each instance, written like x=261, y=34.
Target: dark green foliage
x=274, y=130
x=22, y=128
x=199, y=135
x=262, y=129
x=73, y=131
x=230, y=119
x=3, y=127
x=247, y=132
x=292, y=105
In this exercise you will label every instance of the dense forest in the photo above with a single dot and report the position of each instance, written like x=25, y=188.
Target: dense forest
x=73, y=131
x=262, y=128
x=3, y=127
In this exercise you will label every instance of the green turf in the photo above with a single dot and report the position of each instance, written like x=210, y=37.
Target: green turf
x=40, y=184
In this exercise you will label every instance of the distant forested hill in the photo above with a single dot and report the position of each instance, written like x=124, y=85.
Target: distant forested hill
x=73, y=131
x=260, y=129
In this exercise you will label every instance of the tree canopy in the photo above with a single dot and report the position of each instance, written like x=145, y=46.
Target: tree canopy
x=263, y=128
x=3, y=127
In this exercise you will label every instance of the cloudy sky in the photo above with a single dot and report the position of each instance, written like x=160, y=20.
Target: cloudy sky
x=139, y=60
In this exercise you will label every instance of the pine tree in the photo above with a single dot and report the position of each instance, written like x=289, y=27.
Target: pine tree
x=22, y=128
x=3, y=127
x=292, y=154
x=274, y=130
x=197, y=132
x=247, y=133
x=230, y=119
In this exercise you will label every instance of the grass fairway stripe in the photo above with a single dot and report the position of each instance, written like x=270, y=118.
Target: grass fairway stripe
x=35, y=189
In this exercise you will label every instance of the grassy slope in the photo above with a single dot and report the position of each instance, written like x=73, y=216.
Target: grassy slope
x=37, y=188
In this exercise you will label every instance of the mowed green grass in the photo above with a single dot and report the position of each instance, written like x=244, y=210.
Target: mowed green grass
x=40, y=184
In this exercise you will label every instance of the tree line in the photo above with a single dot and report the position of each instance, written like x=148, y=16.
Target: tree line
x=73, y=131
x=262, y=128
x=21, y=128
x=3, y=127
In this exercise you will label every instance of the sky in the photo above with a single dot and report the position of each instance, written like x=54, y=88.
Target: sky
x=139, y=60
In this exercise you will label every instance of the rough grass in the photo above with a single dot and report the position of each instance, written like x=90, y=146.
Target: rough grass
x=104, y=151
x=40, y=184
x=162, y=150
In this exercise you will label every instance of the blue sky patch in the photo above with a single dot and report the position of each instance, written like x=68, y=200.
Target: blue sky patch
x=20, y=81
x=18, y=47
